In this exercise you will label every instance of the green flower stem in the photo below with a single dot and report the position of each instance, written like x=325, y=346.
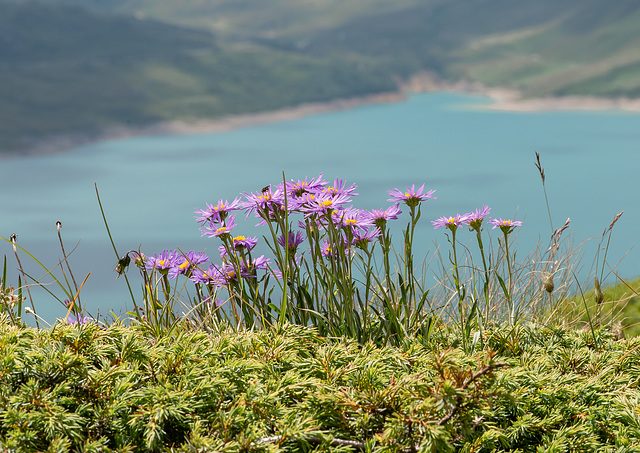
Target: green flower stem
x=459, y=288
x=486, y=270
x=508, y=295
x=409, y=278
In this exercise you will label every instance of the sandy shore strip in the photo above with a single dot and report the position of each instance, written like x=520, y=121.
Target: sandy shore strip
x=66, y=142
x=503, y=100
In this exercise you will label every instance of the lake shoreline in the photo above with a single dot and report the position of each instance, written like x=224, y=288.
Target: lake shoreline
x=65, y=142
x=505, y=99
x=502, y=99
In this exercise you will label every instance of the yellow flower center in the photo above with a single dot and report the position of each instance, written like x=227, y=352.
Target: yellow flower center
x=326, y=203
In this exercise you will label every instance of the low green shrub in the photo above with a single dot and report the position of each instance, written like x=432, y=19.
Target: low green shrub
x=85, y=387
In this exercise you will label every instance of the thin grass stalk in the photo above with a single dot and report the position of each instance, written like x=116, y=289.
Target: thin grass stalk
x=285, y=271
x=13, y=240
x=115, y=250
x=64, y=255
x=459, y=289
x=544, y=188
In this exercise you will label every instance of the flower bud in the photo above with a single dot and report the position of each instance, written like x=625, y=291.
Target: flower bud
x=122, y=264
x=548, y=284
x=597, y=292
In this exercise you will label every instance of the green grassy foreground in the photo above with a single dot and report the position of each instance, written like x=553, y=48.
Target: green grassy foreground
x=90, y=388
x=620, y=307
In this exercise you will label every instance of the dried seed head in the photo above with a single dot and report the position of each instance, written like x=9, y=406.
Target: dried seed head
x=548, y=284
x=539, y=167
x=122, y=264
x=597, y=291
x=615, y=219
x=559, y=231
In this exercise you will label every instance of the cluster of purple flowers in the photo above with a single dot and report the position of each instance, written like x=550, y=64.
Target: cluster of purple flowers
x=173, y=263
x=474, y=221
x=319, y=201
x=226, y=273
x=323, y=206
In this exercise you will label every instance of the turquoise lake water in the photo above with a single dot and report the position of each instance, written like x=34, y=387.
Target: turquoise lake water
x=150, y=186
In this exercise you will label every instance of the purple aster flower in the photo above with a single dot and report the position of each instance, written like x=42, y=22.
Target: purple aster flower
x=506, y=226
x=228, y=274
x=215, y=230
x=452, y=222
x=296, y=189
x=350, y=217
x=323, y=203
x=78, y=319
x=361, y=238
x=163, y=262
x=211, y=277
x=329, y=249
x=239, y=243
x=295, y=239
x=217, y=213
x=260, y=262
x=264, y=202
x=411, y=197
x=139, y=259
x=304, y=202
x=184, y=264
x=219, y=302
x=379, y=217
x=474, y=219
x=338, y=188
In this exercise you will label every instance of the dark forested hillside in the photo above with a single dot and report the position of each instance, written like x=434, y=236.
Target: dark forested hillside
x=78, y=66
x=66, y=70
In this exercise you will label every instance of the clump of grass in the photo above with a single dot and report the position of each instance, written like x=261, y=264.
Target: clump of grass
x=333, y=267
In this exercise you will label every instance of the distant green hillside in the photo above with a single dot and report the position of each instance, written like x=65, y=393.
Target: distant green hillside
x=592, y=50
x=237, y=19
x=545, y=47
x=78, y=66
x=67, y=70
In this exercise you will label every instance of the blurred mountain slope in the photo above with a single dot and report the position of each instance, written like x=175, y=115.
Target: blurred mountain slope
x=68, y=70
x=78, y=66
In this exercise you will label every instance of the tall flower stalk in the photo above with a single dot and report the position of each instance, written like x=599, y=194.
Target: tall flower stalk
x=327, y=270
x=452, y=224
x=413, y=199
x=507, y=226
x=474, y=222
